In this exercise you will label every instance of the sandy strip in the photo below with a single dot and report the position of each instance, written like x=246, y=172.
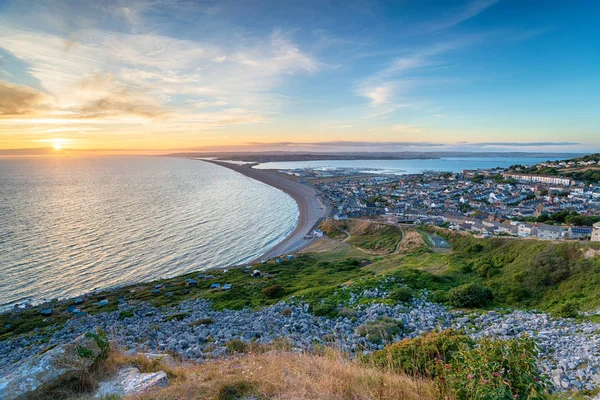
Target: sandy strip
x=310, y=208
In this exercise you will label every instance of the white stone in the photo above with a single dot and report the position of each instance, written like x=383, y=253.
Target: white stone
x=130, y=381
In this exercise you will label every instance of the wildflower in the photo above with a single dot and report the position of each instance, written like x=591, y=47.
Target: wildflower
x=447, y=366
x=469, y=376
x=496, y=374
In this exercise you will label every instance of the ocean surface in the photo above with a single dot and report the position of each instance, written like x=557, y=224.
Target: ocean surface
x=70, y=225
x=399, y=167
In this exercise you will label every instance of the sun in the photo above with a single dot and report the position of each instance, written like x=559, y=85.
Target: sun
x=58, y=143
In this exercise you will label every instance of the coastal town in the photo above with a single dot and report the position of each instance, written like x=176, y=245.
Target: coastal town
x=514, y=202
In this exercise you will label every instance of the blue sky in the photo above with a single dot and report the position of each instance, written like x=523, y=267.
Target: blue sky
x=482, y=75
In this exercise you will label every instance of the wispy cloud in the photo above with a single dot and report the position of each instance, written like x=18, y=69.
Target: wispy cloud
x=18, y=100
x=414, y=128
x=453, y=17
x=521, y=144
x=111, y=76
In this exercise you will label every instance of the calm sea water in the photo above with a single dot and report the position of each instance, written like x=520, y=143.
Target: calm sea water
x=69, y=226
x=450, y=164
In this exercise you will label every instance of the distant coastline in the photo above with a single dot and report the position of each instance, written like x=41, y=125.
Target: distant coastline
x=310, y=209
x=267, y=157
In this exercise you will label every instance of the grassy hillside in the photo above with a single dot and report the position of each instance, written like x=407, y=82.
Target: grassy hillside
x=364, y=235
x=557, y=277
x=520, y=273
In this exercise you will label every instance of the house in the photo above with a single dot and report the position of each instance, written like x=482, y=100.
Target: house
x=46, y=312
x=526, y=230
x=226, y=286
x=256, y=273
x=578, y=232
x=215, y=286
x=549, y=232
x=596, y=232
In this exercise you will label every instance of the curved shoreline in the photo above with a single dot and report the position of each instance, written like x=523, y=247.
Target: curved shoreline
x=310, y=208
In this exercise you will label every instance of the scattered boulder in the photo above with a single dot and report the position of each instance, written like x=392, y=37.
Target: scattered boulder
x=130, y=382
x=55, y=367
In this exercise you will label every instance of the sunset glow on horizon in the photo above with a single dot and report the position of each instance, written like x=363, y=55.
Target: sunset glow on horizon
x=155, y=76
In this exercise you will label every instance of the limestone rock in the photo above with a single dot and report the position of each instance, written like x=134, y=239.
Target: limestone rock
x=130, y=381
x=46, y=371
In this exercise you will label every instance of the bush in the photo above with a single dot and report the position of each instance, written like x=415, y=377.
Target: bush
x=324, y=310
x=347, y=313
x=403, y=294
x=273, y=291
x=569, y=309
x=494, y=369
x=287, y=312
x=380, y=330
x=420, y=356
x=236, y=390
x=470, y=295
x=177, y=317
x=465, y=369
x=125, y=314
x=439, y=296
x=236, y=346
x=203, y=321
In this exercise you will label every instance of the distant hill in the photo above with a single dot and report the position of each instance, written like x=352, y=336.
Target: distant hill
x=584, y=169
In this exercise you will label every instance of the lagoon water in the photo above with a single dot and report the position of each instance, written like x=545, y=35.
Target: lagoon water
x=399, y=167
x=70, y=225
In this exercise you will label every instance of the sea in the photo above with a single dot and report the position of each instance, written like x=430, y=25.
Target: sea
x=72, y=225
x=402, y=167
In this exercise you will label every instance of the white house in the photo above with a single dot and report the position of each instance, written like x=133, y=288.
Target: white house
x=596, y=233
x=550, y=232
x=526, y=230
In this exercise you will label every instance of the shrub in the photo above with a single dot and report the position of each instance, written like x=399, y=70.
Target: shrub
x=494, y=369
x=125, y=314
x=236, y=390
x=420, y=356
x=273, y=291
x=324, y=310
x=439, y=296
x=236, y=346
x=347, y=313
x=569, y=309
x=380, y=330
x=403, y=294
x=203, y=321
x=286, y=312
x=177, y=317
x=470, y=295
x=465, y=369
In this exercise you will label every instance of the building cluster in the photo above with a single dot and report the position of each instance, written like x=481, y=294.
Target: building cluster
x=567, y=164
x=484, y=202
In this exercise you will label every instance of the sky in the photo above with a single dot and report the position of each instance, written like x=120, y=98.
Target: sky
x=474, y=75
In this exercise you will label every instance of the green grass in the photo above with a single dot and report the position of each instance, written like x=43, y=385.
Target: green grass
x=520, y=273
x=383, y=239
